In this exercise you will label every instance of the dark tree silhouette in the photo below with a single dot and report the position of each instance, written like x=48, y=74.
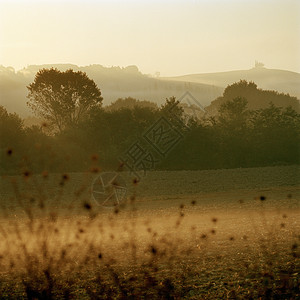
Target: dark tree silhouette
x=130, y=103
x=63, y=98
x=257, y=98
x=172, y=109
x=233, y=113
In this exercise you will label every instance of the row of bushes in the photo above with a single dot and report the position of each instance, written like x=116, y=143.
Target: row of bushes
x=235, y=137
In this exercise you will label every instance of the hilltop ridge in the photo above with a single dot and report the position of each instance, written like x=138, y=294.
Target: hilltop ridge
x=121, y=82
x=268, y=79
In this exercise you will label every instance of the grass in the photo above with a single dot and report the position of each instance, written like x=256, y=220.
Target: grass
x=223, y=234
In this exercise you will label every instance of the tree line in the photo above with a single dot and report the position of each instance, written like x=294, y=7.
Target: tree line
x=77, y=130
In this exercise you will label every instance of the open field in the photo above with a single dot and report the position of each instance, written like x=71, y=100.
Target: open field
x=219, y=234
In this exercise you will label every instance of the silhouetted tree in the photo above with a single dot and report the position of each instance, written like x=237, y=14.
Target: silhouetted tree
x=257, y=98
x=276, y=135
x=173, y=111
x=63, y=98
x=233, y=114
x=232, y=129
x=130, y=103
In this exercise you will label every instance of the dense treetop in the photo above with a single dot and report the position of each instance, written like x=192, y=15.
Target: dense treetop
x=257, y=98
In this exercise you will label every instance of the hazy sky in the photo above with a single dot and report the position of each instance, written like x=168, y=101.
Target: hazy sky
x=173, y=37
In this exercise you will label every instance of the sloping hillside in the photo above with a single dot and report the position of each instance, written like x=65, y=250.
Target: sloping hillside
x=114, y=82
x=267, y=79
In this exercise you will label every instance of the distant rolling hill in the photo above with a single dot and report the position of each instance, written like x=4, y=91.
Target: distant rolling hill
x=267, y=79
x=114, y=83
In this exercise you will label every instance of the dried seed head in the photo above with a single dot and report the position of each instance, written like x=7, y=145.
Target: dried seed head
x=94, y=157
x=262, y=198
x=95, y=170
x=26, y=174
x=87, y=206
x=294, y=246
x=65, y=177
x=9, y=151
x=135, y=181
x=153, y=250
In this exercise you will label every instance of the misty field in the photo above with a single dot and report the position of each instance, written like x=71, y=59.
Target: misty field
x=218, y=234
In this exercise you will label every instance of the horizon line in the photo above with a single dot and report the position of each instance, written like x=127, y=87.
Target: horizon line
x=16, y=70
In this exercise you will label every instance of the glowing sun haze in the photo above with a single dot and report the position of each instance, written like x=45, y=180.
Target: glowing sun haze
x=173, y=37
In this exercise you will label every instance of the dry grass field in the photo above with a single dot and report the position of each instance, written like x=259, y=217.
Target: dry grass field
x=219, y=234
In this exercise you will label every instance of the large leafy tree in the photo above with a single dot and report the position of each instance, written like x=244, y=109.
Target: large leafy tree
x=63, y=98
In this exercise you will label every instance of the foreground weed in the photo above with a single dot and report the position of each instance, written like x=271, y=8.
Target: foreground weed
x=57, y=249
